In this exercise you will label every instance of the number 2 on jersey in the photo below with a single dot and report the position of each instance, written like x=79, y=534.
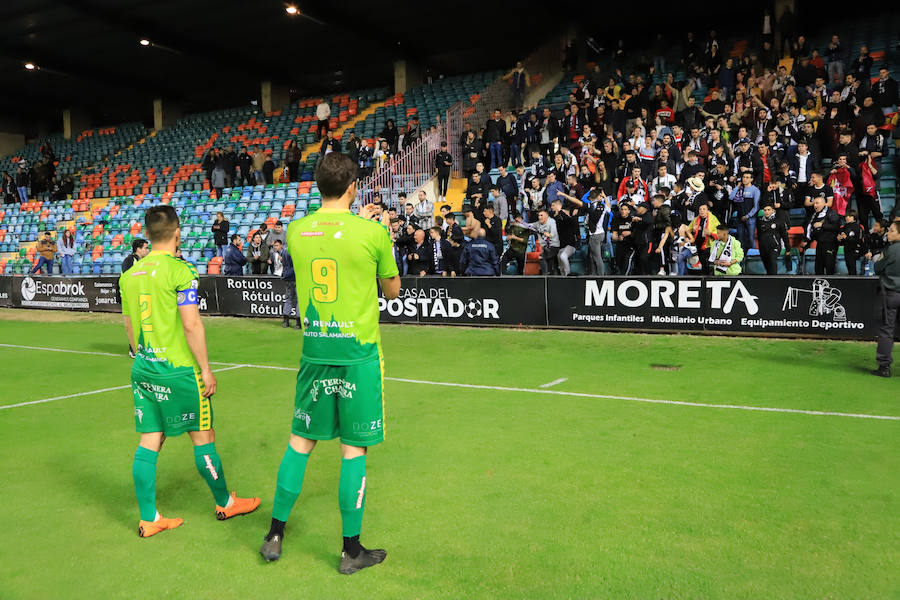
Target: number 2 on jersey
x=324, y=276
x=146, y=325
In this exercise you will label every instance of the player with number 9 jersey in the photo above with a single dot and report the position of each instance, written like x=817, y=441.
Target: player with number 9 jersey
x=337, y=258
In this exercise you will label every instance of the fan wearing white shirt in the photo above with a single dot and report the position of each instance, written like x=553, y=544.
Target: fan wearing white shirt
x=663, y=180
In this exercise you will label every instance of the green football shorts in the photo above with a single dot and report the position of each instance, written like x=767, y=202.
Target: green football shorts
x=340, y=401
x=172, y=404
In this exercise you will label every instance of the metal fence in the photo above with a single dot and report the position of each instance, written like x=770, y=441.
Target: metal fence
x=404, y=172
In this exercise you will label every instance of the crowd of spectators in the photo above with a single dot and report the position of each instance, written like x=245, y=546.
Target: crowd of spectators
x=37, y=181
x=657, y=176
x=255, y=256
x=665, y=176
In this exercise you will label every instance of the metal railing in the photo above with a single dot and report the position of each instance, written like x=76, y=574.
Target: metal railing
x=413, y=167
x=404, y=172
x=496, y=95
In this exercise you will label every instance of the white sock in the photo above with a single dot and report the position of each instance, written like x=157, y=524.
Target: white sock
x=158, y=517
x=230, y=502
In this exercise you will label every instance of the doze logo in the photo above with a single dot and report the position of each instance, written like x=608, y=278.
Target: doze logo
x=362, y=426
x=670, y=294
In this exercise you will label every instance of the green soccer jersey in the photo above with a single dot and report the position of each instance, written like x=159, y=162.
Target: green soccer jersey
x=337, y=257
x=152, y=290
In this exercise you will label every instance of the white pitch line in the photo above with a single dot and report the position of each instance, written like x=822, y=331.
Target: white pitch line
x=554, y=382
x=649, y=400
x=498, y=388
x=100, y=391
x=61, y=350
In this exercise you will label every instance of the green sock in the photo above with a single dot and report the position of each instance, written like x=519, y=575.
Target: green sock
x=210, y=467
x=289, y=483
x=352, y=494
x=144, y=472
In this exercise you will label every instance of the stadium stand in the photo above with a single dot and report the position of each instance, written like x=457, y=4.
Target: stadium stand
x=116, y=172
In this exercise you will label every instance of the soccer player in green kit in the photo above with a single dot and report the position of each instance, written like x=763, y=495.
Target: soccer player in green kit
x=338, y=258
x=171, y=381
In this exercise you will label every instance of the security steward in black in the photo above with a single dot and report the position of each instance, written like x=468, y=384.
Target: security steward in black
x=888, y=271
x=772, y=234
x=823, y=227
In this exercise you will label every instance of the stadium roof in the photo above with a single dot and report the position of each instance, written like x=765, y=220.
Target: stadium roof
x=208, y=54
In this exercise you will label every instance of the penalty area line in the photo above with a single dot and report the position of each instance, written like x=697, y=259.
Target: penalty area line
x=91, y=392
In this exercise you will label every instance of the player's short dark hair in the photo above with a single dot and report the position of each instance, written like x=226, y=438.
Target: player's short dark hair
x=438, y=229
x=277, y=241
x=447, y=206
x=335, y=173
x=722, y=227
x=768, y=204
x=137, y=244
x=161, y=222
x=443, y=144
x=854, y=214
x=401, y=195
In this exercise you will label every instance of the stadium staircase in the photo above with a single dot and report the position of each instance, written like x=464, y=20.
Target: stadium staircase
x=430, y=103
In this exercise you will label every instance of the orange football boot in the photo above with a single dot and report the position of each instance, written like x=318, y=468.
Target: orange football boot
x=240, y=506
x=148, y=528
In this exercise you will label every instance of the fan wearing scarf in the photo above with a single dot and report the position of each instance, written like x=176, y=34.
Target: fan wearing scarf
x=823, y=227
x=726, y=254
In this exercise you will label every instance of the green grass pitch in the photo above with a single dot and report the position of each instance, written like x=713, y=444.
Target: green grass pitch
x=476, y=493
